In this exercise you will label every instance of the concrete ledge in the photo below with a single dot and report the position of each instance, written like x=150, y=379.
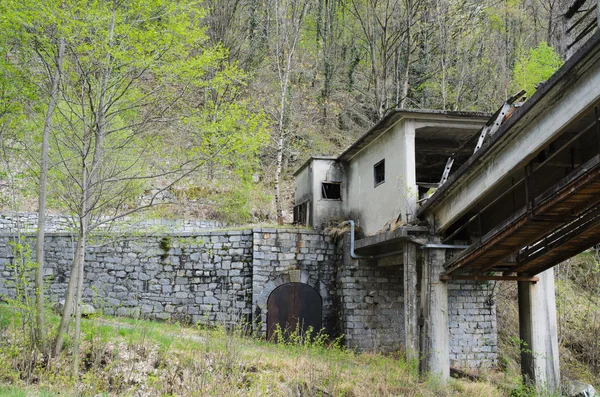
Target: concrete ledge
x=389, y=241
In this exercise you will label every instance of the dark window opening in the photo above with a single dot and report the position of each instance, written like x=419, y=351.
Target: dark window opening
x=331, y=190
x=301, y=214
x=379, y=172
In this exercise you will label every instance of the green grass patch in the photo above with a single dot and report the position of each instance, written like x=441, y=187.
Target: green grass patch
x=123, y=356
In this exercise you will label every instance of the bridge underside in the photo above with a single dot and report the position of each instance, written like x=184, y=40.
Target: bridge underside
x=558, y=224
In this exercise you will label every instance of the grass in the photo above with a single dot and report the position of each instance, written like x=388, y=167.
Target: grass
x=122, y=357
x=577, y=282
x=14, y=391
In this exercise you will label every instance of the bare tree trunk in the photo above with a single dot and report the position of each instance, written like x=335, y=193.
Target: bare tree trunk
x=69, y=300
x=87, y=191
x=278, y=202
x=285, y=47
x=78, y=300
x=39, y=250
x=404, y=94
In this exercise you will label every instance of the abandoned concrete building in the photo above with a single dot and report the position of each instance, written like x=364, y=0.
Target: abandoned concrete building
x=454, y=202
x=445, y=204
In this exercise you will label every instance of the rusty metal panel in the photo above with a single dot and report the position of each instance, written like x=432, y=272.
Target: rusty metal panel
x=294, y=306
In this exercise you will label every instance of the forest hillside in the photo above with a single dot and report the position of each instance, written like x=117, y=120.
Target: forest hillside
x=212, y=105
x=204, y=109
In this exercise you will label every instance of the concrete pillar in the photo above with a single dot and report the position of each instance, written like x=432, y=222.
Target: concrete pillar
x=411, y=310
x=407, y=184
x=435, y=337
x=538, y=331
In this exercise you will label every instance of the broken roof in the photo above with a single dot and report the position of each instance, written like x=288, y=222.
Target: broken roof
x=392, y=119
x=398, y=114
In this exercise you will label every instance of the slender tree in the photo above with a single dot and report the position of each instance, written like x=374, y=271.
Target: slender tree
x=42, y=195
x=134, y=75
x=288, y=19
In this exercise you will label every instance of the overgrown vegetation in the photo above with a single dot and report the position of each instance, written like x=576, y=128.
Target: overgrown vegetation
x=313, y=74
x=577, y=283
x=135, y=357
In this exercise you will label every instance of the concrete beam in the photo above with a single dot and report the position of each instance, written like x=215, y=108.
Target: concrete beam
x=435, y=336
x=538, y=332
x=411, y=312
x=576, y=90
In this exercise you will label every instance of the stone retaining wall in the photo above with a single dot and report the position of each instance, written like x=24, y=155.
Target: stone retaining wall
x=227, y=277
x=371, y=311
x=26, y=222
x=371, y=304
x=302, y=257
x=201, y=277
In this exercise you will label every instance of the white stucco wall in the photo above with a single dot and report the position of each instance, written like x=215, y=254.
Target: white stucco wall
x=303, y=185
x=308, y=187
x=374, y=206
x=325, y=209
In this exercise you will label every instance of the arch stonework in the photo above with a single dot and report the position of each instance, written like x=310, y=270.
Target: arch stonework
x=261, y=295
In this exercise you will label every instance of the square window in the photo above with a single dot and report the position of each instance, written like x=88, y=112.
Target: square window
x=379, y=172
x=331, y=190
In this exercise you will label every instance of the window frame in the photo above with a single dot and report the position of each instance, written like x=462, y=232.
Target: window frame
x=323, y=183
x=378, y=164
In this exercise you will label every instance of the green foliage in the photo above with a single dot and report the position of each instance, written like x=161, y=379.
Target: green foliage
x=236, y=204
x=535, y=67
x=141, y=83
x=22, y=268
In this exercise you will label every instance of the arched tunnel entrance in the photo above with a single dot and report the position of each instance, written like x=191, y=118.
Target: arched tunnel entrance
x=294, y=307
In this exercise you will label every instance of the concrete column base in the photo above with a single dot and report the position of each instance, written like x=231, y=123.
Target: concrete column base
x=411, y=309
x=538, y=332
x=435, y=344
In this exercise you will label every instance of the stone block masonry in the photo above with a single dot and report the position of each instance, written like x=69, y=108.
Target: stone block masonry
x=209, y=277
x=303, y=257
x=371, y=304
x=26, y=222
x=226, y=277
x=189, y=278
x=472, y=324
x=371, y=311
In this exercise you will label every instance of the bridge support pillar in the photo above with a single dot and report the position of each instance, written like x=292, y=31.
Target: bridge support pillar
x=539, y=337
x=435, y=349
x=411, y=309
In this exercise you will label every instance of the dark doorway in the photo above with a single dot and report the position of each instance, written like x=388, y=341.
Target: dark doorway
x=294, y=306
x=301, y=214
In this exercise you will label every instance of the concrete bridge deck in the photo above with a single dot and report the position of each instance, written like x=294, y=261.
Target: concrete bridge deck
x=567, y=209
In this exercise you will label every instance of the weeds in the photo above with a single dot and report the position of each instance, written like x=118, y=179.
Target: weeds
x=137, y=357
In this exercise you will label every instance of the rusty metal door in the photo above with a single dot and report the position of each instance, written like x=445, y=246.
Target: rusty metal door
x=294, y=306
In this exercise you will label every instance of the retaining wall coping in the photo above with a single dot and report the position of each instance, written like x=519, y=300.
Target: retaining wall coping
x=167, y=233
